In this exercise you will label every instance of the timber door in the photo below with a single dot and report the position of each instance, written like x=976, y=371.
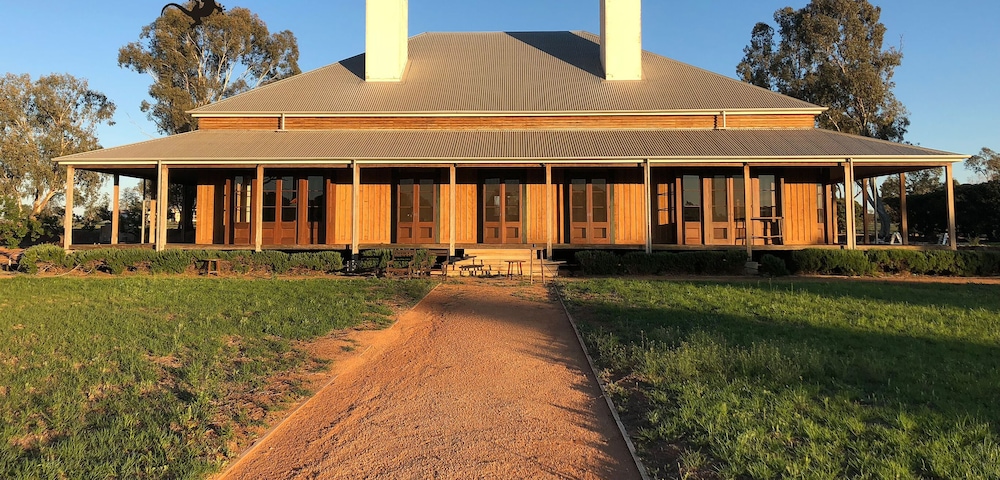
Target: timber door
x=725, y=213
x=294, y=210
x=241, y=194
x=502, y=211
x=417, y=211
x=691, y=211
x=590, y=216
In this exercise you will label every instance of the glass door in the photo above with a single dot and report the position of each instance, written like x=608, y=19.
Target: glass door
x=417, y=211
x=590, y=219
x=502, y=211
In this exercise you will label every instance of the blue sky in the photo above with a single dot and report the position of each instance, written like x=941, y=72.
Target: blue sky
x=948, y=78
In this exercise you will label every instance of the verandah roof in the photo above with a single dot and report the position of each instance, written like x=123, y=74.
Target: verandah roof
x=210, y=147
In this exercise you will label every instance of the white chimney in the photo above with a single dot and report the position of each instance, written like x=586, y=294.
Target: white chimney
x=386, y=40
x=621, y=39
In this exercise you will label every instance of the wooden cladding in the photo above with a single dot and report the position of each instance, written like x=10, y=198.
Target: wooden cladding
x=239, y=123
x=703, y=122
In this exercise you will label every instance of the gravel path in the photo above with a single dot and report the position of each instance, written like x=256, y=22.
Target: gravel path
x=477, y=381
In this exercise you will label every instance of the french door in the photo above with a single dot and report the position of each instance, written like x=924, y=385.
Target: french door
x=416, y=211
x=502, y=211
x=725, y=215
x=294, y=210
x=590, y=216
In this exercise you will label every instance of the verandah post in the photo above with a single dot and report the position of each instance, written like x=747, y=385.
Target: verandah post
x=115, y=209
x=451, y=215
x=904, y=223
x=647, y=183
x=949, y=185
x=355, y=204
x=258, y=209
x=68, y=217
x=548, y=210
x=162, y=204
x=747, y=224
x=849, y=203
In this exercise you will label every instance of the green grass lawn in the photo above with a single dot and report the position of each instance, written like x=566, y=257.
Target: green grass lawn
x=153, y=377
x=810, y=379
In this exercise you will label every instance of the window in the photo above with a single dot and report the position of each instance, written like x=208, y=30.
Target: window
x=820, y=204
x=720, y=199
x=270, y=198
x=739, y=192
x=242, y=198
x=691, y=184
x=317, y=197
x=768, y=196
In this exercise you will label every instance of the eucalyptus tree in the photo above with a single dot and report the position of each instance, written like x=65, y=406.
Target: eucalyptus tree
x=192, y=65
x=831, y=53
x=40, y=120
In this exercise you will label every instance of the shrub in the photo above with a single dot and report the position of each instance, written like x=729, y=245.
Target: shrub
x=832, y=262
x=640, y=263
x=597, y=262
x=773, y=266
x=46, y=254
x=374, y=260
x=326, y=262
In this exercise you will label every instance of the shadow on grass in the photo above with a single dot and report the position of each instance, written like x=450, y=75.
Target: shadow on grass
x=921, y=389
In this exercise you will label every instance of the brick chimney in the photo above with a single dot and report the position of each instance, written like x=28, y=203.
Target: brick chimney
x=386, y=40
x=621, y=39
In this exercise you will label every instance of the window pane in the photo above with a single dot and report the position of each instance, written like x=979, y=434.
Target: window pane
x=720, y=200
x=692, y=191
x=578, y=200
x=599, y=200
x=426, y=201
x=739, y=207
x=289, y=214
x=768, y=198
x=512, y=197
x=820, y=204
x=691, y=184
x=491, y=198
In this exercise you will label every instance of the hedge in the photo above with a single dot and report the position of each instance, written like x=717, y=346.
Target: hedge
x=598, y=262
x=968, y=263
x=119, y=261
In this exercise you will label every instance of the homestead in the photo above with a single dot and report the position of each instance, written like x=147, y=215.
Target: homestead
x=548, y=140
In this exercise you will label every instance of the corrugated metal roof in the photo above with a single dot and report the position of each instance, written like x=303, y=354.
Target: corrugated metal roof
x=262, y=146
x=505, y=72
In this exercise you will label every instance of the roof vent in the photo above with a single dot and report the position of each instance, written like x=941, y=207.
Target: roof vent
x=386, y=40
x=621, y=39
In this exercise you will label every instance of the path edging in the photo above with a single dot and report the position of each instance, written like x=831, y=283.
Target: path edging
x=604, y=391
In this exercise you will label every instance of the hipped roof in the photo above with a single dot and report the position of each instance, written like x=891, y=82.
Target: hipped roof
x=505, y=72
x=478, y=146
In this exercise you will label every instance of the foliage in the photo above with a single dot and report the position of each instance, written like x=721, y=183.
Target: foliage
x=118, y=261
x=831, y=262
x=15, y=225
x=985, y=163
x=53, y=116
x=894, y=261
x=773, y=266
x=228, y=54
x=597, y=262
x=806, y=379
x=830, y=53
x=157, y=378
x=45, y=255
x=977, y=206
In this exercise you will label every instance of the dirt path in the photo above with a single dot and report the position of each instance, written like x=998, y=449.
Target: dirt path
x=478, y=381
